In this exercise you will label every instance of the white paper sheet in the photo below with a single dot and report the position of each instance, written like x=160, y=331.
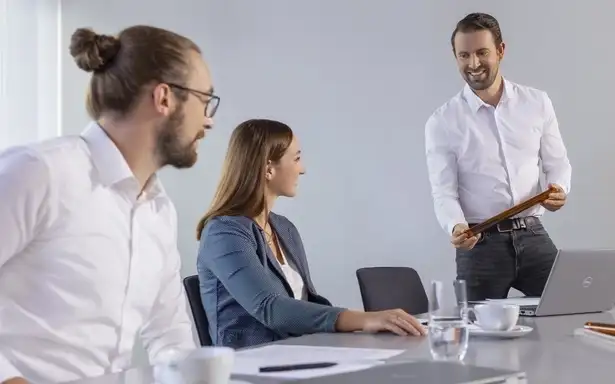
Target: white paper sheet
x=516, y=300
x=248, y=362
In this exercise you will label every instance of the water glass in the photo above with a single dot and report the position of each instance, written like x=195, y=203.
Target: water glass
x=448, y=320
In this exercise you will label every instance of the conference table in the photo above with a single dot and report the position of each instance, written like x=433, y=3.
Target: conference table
x=551, y=353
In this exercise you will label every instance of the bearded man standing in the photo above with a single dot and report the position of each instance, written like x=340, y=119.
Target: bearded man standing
x=486, y=149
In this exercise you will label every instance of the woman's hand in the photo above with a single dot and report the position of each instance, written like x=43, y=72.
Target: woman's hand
x=394, y=320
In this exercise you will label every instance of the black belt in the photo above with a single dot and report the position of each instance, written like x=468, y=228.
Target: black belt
x=510, y=225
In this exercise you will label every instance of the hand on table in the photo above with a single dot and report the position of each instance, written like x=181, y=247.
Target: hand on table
x=393, y=320
x=461, y=240
x=556, y=200
x=397, y=321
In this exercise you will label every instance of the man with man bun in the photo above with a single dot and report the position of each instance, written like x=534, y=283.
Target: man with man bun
x=88, y=247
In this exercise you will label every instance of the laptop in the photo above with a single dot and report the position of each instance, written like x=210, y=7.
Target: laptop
x=427, y=371
x=581, y=281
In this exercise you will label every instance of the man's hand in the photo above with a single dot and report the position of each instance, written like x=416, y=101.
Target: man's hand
x=556, y=200
x=461, y=240
x=15, y=380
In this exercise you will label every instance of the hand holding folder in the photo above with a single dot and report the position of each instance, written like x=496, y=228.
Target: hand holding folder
x=517, y=209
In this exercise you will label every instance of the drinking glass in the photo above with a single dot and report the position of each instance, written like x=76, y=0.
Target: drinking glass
x=448, y=320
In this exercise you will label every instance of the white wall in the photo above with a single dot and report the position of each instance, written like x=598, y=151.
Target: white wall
x=30, y=105
x=357, y=80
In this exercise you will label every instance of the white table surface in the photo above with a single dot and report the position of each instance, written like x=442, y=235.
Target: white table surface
x=549, y=354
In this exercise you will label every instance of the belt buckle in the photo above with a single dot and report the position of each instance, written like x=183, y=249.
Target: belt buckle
x=516, y=223
x=508, y=228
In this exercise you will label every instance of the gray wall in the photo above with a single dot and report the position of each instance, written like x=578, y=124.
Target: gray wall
x=356, y=80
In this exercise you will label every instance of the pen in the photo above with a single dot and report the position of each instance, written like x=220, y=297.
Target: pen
x=295, y=367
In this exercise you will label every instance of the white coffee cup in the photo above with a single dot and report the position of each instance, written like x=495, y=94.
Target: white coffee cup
x=205, y=365
x=208, y=365
x=495, y=316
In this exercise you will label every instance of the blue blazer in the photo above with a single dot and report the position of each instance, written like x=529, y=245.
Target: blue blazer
x=245, y=295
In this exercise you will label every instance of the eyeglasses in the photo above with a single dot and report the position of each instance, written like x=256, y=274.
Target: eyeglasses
x=212, y=103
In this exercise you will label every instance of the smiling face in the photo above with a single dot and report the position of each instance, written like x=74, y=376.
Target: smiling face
x=283, y=175
x=478, y=58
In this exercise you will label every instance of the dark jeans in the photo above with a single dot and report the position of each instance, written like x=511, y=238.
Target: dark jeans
x=521, y=259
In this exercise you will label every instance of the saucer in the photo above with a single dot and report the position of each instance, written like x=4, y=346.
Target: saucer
x=517, y=331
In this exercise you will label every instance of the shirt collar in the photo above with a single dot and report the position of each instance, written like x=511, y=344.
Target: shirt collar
x=110, y=163
x=475, y=102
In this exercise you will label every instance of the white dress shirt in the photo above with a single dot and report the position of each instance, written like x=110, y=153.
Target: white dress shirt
x=85, y=266
x=483, y=160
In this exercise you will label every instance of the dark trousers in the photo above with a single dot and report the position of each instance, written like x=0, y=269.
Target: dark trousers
x=520, y=259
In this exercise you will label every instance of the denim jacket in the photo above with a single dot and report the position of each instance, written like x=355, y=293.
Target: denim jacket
x=245, y=295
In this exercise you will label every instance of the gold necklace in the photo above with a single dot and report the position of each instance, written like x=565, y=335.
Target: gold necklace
x=269, y=238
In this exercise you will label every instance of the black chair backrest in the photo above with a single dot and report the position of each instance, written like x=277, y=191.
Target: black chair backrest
x=193, y=292
x=385, y=288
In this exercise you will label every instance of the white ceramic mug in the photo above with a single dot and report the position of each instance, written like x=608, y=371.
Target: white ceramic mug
x=208, y=365
x=495, y=316
x=205, y=365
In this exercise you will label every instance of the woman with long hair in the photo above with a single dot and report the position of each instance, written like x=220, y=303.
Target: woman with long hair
x=254, y=276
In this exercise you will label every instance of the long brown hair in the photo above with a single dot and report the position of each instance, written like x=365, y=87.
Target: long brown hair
x=241, y=190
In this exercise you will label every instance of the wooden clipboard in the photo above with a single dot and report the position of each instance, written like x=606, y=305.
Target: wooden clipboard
x=507, y=214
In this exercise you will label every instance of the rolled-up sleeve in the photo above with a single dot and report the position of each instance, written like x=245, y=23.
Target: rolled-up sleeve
x=227, y=250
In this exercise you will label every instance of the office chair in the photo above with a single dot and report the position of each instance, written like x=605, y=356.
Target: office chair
x=191, y=285
x=385, y=288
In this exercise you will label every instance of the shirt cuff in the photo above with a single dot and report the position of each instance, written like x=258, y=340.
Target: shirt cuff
x=452, y=225
x=565, y=187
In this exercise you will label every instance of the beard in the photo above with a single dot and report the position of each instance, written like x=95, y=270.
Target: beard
x=169, y=146
x=484, y=81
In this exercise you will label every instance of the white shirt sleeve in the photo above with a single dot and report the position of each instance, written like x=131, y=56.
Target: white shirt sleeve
x=442, y=169
x=25, y=194
x=7, y=370
x=169, y=326
x=25, y=190
x=553, y=154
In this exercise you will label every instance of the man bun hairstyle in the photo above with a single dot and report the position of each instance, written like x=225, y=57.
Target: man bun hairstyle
x=123, y=65
x=92, y=52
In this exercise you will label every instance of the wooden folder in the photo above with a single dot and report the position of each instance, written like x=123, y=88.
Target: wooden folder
x=507, y=214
